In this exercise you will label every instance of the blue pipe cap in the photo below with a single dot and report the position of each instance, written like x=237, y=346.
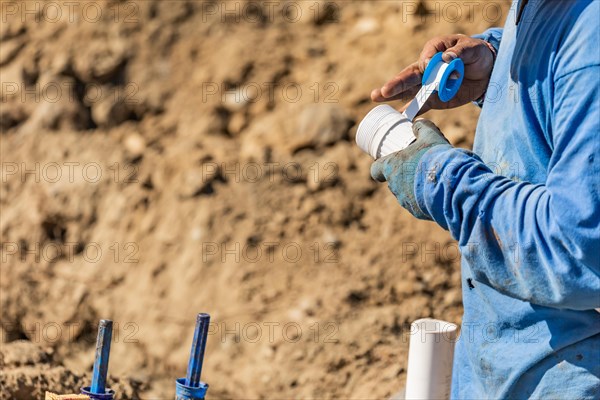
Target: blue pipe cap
x=183, y=392
x=108, y=394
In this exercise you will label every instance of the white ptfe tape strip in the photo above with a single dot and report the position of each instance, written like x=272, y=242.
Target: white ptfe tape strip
x=430, y=87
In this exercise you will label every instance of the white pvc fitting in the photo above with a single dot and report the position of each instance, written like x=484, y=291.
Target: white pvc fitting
x=430, y=358
x=384, y=131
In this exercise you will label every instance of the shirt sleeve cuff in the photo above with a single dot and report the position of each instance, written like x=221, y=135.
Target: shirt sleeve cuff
x=493, y=36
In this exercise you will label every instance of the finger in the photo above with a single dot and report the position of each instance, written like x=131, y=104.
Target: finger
x=471, y=52
x=377, y=170
x=468, y=50
x=404, y=96
x=469, y=91
x=434, y=46
x=376, y=96
x=428, y=131
x=408, y=78
x=421, y=126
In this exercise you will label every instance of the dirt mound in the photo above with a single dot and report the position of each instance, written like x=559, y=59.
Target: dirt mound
x=28, y=370
x=161, y=159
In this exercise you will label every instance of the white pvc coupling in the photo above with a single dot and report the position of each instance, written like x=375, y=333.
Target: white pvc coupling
x=430, y=358
x=384, y=131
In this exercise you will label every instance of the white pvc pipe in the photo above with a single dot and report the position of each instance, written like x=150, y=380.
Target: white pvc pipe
x=384, y=131
x=430, y=357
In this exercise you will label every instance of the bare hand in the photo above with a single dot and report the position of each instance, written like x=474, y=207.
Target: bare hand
x=476, y=55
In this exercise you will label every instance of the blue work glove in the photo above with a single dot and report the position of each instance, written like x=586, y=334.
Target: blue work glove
x=400, y=169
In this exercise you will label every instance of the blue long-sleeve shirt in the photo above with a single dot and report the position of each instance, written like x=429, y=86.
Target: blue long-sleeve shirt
x=524, y=207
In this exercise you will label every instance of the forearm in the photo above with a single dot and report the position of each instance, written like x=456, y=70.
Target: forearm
x=510, y=232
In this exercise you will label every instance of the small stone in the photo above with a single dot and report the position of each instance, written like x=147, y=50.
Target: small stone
x=135, y=144
x=365, y=26
x=196, y=234
x=111, y=110
x=100, y=62
x=235, y=100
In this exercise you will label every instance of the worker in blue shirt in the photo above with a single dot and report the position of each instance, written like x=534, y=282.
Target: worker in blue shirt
x=524, y=205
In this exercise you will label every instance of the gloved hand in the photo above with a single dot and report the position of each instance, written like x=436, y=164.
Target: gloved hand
x=400, y=169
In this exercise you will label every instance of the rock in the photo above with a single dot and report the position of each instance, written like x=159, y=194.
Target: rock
x=235, y=100
x=100, y=62
x=365, y=26
x=319, y=125
x=135, y=144
x=111, y=110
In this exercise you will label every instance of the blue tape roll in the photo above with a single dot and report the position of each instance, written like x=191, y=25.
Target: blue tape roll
x=448, y=87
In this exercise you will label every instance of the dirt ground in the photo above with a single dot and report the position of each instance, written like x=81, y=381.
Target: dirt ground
x=161, y=159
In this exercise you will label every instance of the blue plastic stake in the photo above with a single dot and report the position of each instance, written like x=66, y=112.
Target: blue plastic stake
x=191, y=387
x=102, y=354
x=98, y=389
x=194, y=369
